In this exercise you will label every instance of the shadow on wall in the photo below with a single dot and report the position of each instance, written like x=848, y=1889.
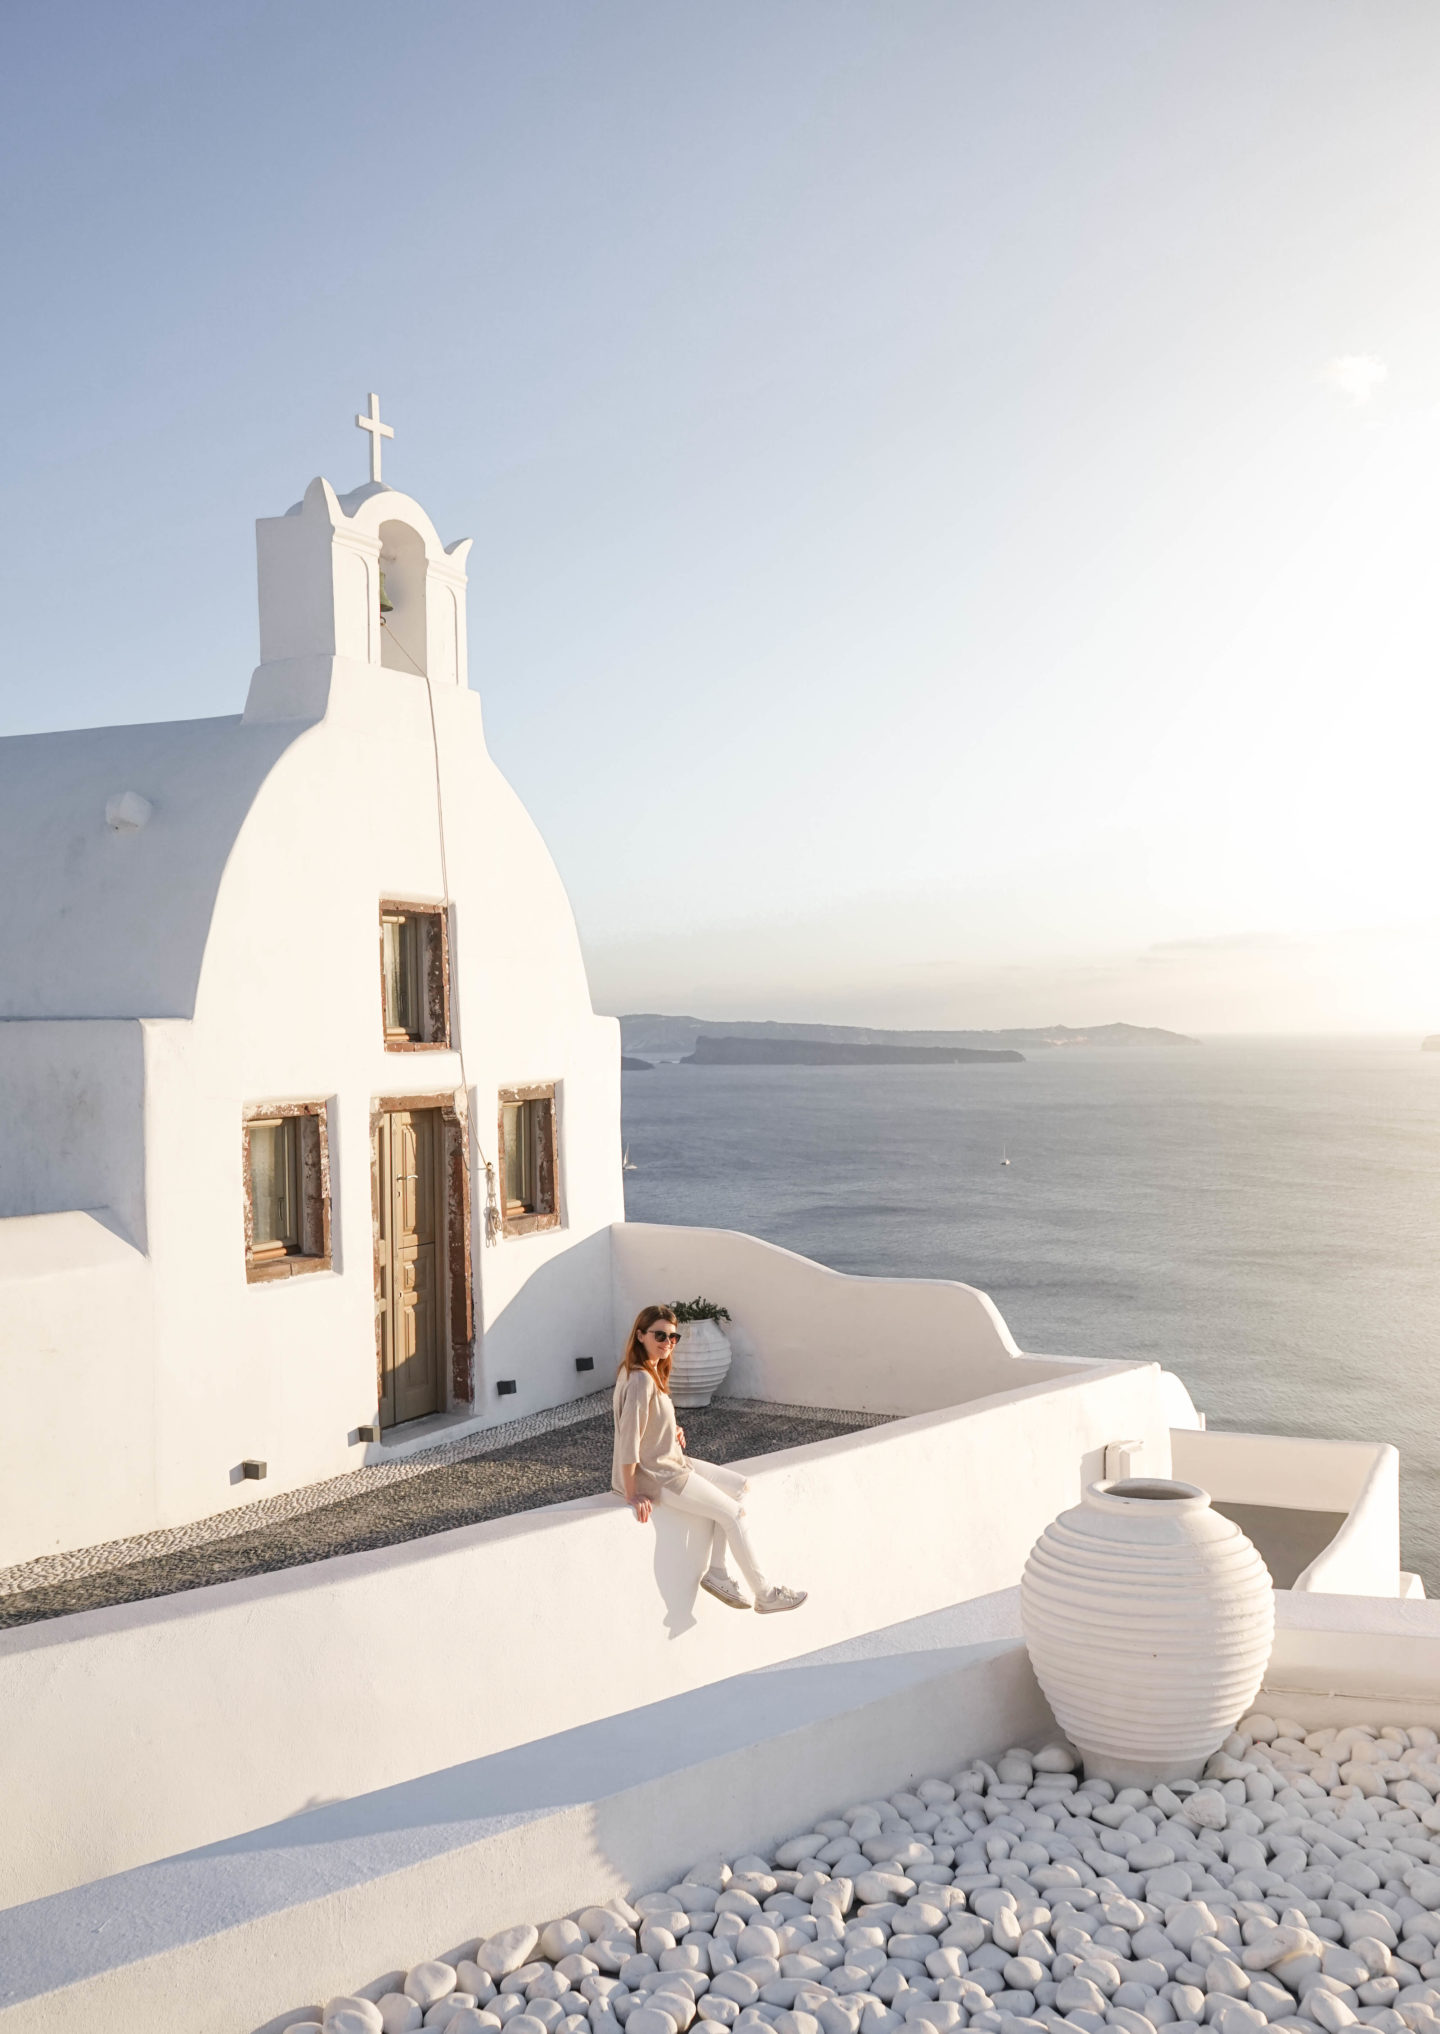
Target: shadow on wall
x=561, y=1312
x=900, y=1710
x=461, y=1803
x=682, y=1553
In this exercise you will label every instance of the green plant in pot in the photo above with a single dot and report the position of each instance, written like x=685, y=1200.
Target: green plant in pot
x=702, y=1355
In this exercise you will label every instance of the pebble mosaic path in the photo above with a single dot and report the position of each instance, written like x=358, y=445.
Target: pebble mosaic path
x=1296, y=1888
x=543, y=1459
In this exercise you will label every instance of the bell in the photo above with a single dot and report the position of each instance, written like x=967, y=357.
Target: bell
x=387, y=605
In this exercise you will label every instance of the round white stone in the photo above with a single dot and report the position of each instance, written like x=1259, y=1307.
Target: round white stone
x=1078, y=1994
x=877, y=1886
x=1328, y=2012
x=676, y=2000
x=505, y=1952
x=398, y=2014
x=652, y=2019
x=1127, y=2021
x=365, y=2012
x=562, y=1938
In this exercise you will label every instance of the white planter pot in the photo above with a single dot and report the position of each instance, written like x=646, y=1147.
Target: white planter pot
x=1149, y=1619
x=702, y=1358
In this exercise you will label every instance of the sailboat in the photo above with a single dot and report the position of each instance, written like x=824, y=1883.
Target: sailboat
x=627, y=1166
x=1006, y=1159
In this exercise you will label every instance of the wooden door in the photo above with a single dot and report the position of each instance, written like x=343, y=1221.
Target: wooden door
x=409, y=1199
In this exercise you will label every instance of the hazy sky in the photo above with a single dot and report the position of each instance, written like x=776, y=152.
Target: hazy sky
x=956, y=487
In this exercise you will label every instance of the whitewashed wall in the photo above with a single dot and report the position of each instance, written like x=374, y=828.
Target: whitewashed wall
x=805, y=1335
x=1357, y=1478
x=239, y=1935
x=72, y=1096
x=79, y=1383
x=244, y=1703
x=236, y=1936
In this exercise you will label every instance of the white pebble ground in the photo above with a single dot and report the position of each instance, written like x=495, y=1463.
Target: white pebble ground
x=1297, y=1885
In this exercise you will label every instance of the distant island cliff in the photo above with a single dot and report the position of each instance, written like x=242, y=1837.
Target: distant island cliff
x=652, y=1035
x=729, y=1051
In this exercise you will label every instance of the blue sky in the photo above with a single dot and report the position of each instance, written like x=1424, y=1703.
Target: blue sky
x=955, y=488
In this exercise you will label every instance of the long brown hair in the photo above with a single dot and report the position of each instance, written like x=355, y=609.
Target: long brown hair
x=638, y=1357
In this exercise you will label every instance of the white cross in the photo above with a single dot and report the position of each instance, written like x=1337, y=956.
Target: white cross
x=377, y=431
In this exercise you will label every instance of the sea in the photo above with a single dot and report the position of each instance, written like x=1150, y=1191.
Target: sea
x=1261, y=1216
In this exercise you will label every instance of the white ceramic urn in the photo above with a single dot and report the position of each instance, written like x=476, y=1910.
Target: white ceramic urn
x=1149, y=1618
x=700, y=1363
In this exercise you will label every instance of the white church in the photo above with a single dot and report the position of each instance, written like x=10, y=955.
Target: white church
x=312, y=1136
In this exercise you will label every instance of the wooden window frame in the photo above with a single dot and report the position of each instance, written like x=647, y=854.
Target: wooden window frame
x=268, y=1262
x=436, y=986
x=530, y=1221
x=457, y=1270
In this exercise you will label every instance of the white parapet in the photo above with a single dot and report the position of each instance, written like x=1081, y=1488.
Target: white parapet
x=1355, y=1483
x=251, y=1700
x=806, y=1335
x=1354, y=1659
x=253, y=1933
x=249, y=1933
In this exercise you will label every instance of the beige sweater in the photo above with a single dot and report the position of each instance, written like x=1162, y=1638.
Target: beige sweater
x=645, y=1435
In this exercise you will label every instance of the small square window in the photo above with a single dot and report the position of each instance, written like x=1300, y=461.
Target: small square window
x=528, y=1169
x=414, y=976
x=287, y=1199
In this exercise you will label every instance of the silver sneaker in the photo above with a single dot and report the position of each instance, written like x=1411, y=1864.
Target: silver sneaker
x=778, y=1597
x=724, y=1588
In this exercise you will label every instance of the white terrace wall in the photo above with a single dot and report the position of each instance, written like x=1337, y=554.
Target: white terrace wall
x=235, y=1936
x=245, y=1703
x=1353, y=1659
x=1360, y=1478
x=805, y=1335
x=218, y=1941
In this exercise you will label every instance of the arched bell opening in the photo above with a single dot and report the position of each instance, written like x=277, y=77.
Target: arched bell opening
x=403, y=574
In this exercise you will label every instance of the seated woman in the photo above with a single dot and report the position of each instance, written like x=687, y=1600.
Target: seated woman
x=651, y=1466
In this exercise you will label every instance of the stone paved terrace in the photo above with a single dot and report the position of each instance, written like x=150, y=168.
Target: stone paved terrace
x=551, y=1458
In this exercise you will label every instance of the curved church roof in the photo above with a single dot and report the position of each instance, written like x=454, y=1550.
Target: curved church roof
x=97, y=921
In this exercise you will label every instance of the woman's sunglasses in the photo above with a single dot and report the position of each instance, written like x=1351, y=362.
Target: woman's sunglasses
x=663, y=1334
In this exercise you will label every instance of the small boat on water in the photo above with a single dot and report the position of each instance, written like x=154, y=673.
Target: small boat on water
x=1006, y=1158
x=627, y=1166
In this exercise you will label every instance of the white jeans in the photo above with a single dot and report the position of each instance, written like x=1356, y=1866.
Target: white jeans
x=719, y=1494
